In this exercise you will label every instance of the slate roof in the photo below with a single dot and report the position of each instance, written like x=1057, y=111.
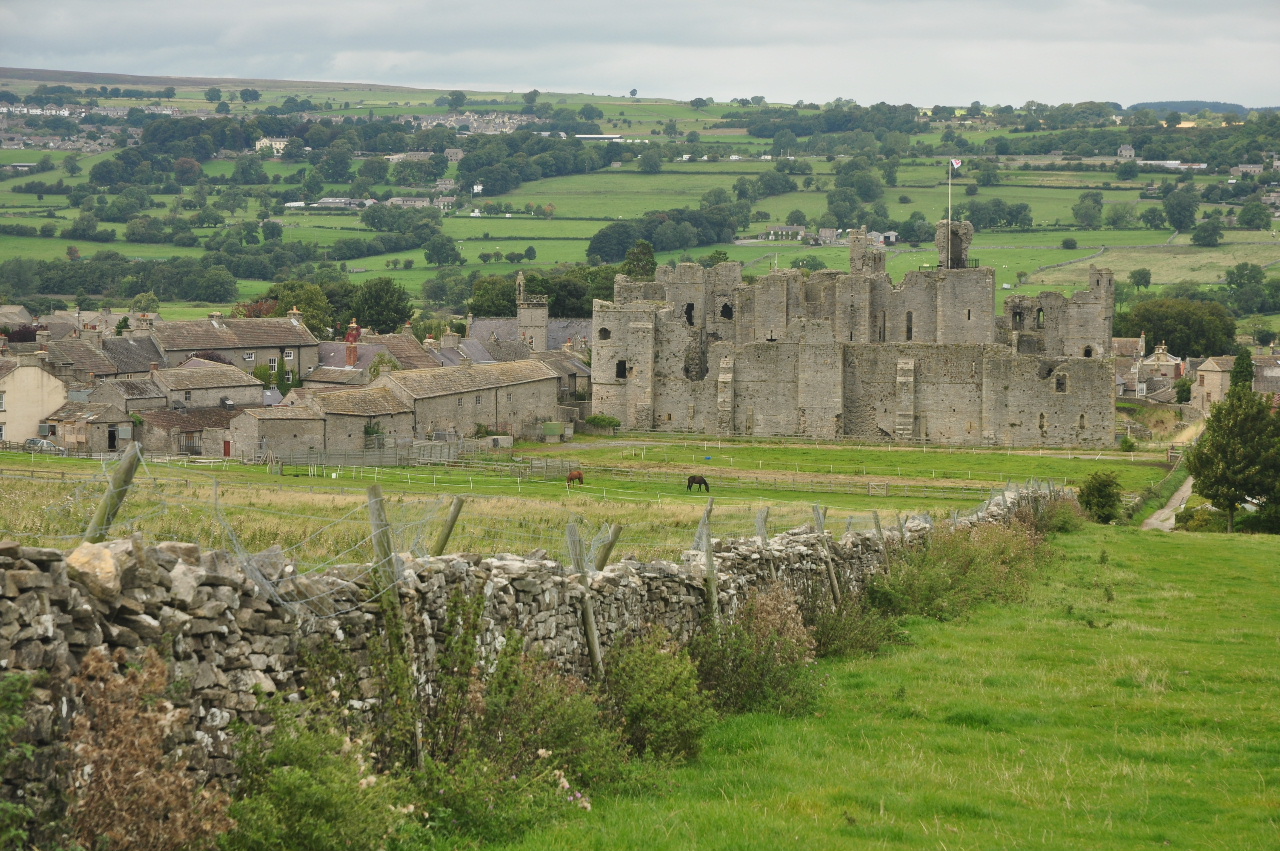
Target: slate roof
x=136, y=388
x=559, y=331
x=192, y=419
x=364, y=402
x=133, y=354
x=205, y=376
x=89, y=412
x=335, y=375
x=565, y=363
x=81, y=355
x=191, y=335
x=1126, y=347
x=297, y=412
x=405, y=348
x=446, y=381
x=334, y=355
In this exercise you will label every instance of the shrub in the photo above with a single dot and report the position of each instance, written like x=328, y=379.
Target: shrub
x=312, y=790
x=1100, y=496
x=760, y=661
x=603, y=421
x=125, y=793
x=15, y=692
x=1127, y=444
x=653, y=687
x=1069, y=243
x=854, y=628
x=954, y=570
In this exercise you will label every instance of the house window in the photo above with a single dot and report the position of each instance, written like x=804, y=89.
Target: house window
x=186, y=395
x=1, y=432
x=508, y=397
x=271, y=363
x=1202, y=381
x=53, y=429
x=1, y=400
x=477, y=400
x=288, y=354
x=459, y=401
x=288, y=376
x=248, y=355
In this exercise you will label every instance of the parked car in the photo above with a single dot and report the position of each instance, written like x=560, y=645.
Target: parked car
x=39, y=444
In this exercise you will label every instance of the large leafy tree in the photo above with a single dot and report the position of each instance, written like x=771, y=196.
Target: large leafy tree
x=1180, y=208
x=1189, y=328
x=1238, y=456
x=382, y=304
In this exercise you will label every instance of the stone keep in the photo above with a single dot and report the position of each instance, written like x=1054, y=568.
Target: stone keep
x=856, y=355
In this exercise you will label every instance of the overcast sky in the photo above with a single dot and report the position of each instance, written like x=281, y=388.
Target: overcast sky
x=922, y=52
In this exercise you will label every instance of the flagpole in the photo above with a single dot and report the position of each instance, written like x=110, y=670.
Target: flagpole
x=950, y=169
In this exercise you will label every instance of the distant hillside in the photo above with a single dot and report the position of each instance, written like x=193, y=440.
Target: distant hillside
x=1193, y=106
x=85, y=78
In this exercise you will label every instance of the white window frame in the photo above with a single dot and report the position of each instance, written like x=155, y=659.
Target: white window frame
x=273, y=364
x=186, y=395
x=288, y=376
x=288, y=354
x=1, y=432
x=1, y=400
x=249, y=355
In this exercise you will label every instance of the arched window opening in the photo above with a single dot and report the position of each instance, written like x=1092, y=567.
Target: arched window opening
x=1040, y=318
x=604, y=333
x=1082, y=425
x=1017, y=320
x=1088, y=351
x=620, y=369
x=688, y=313
x=910, y=330
x=1042, y=422
x=726, y=311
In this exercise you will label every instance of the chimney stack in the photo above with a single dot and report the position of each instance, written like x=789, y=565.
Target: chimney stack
x=353, y=355
x=155, y=367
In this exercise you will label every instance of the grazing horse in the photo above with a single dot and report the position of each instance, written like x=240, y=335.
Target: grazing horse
x=695, y=481
x=575, y=476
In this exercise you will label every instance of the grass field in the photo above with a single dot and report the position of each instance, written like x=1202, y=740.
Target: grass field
x=1128, y=703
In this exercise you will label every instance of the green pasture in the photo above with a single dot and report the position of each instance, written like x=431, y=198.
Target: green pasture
x=614, y=193
x=1171, y=264
x=519, y=226
x=950, y=465
x=1128, y=703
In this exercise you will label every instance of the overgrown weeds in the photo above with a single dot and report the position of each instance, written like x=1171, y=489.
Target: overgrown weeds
x=760, y=661
x=125, y=792
x=653, y=687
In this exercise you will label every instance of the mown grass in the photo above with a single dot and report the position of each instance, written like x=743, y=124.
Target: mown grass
x=1129, y=703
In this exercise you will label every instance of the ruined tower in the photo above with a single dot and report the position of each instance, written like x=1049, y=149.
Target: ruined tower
x=532, y=313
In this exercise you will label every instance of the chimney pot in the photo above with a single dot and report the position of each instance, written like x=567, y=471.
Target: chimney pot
x=154, y=366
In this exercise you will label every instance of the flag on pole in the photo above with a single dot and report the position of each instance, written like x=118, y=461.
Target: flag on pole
x=955, y=163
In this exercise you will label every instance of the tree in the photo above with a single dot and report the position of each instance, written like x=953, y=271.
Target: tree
x=1152, y=217
x=382, y=304
x=530, y=97
x=441, y=250
x=223, y=108
x=1121, y=215
x=590, y=112
x=1238, y=456
x=797, y=217
x=1128, y=170
x=1100, y=496
x=1190, y=328
x=250, y=95
x=375, y=169
x=1208, y=233
x=213, y=94
x=1254, y=215
x=640, y=262
x=1088, y=210
x=1180, y=208
x=457, y=100
x=633, y=92
x=1140, y=278
x=650, y=162
x=71, y=165
x=530, y=253
x=809, y=261
x=1069, y=243
x=144, y=303
x=1173, y=119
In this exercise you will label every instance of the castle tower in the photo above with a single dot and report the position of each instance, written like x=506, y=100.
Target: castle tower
x=953, y=240
x=864, y=257
x=532, y=314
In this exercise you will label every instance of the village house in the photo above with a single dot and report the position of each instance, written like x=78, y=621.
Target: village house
x=28, y=393
x=88, y=428
x=246, y=343
x=198, y=431
x=1212, y=379
x=358, y=419
x=509, y=398
x=297, y=430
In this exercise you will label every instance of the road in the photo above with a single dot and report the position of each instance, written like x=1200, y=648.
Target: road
x=1163, y=519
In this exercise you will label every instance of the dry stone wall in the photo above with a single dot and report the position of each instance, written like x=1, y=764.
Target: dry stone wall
x=234, y=633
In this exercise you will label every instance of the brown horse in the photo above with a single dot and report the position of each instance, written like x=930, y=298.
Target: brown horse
x=695, y=481
x=575, y=476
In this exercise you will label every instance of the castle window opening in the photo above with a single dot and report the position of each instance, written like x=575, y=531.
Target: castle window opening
x=726, y=312
x=883, y=319
x=688, y=313
x=968, y=314
x=1082, y=425
x=1040, y=318
x=1060, y=384
x=668, y=418
x=620, y=369
x=1042, y=422
x=909, y=328
x=1088, y=351
x=1017, y=320
x=604, y=333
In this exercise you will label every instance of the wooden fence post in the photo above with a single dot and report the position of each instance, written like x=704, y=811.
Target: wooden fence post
x=442, y=540
x=117, y=489
x=579, y=559
x=602, y=556
x=384, y=563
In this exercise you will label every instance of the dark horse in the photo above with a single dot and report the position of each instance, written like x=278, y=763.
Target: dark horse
x=575, y=476
x=695, y=481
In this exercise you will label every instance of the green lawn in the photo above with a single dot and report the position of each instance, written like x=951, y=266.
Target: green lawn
x=1129, y=703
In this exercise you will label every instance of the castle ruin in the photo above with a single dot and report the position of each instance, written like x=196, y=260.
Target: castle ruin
x=853, y=355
